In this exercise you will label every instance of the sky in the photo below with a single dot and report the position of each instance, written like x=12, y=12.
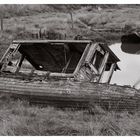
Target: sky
x=129, y=65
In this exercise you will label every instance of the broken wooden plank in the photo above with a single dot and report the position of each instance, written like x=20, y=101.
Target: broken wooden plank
x=103, y=62
x=52, y=41
x=91, y=52
x=111, y=72
x=82, y=59
x=19, y=63
x=103, y=66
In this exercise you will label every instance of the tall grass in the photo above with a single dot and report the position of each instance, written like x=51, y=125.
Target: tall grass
x=84, y=18
x=19, y=118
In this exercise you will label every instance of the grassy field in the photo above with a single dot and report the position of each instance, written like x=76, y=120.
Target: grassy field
x=20, y=21
x=20, y=118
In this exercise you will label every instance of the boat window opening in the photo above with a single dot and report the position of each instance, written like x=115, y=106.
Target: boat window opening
x=57, y=58
x=97, y=59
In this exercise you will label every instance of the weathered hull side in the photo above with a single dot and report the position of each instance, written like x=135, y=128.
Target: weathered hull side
x=66, y=93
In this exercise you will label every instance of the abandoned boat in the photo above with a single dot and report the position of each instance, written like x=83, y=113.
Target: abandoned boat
x=63, y=73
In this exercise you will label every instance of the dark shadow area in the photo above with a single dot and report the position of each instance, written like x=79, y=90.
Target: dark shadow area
x=53, y=57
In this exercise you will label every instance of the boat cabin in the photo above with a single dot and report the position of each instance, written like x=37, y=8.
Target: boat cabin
x=80, y=60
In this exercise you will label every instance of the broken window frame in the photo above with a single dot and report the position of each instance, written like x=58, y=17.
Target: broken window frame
x=91, y=57
x=51, y=74
x=94, y=59
x=85, y=59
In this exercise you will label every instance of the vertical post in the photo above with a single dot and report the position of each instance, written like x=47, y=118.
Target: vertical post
x=40, y=33
x=111, y=72
x=83, y=57
x=103, y=66
x=103, y=62
x=91, y=52
x=1, y=24
x=19, y=63
x=101, y=75
x=71, y=20
x=65, y=36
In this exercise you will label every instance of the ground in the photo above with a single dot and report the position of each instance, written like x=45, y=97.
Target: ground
x=20, y=118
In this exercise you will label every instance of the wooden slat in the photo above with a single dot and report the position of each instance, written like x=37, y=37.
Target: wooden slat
x=80, y=85
x=52, y=41
x=103, y=62
x=73, y=88
x=19, y=63
x=82, y=59
x=91, y=52
x=103, y=66
x=61, y=91
x=81, y=102
x=111, y=72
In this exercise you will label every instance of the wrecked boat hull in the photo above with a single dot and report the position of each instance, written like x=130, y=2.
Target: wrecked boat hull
x=65, y=94
x=64, y=73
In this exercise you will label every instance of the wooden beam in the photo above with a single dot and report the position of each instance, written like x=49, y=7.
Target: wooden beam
x=67, y=64
x=101, y=75
x=93, y=68
x=71, y=16
x=42, y=73
x=12, y=49
x=111, y=72
x=52, y=41
x=91, y=52
x=63, y=75
x=103, y=66
x=4, y=56
x=81, y=61
x=19, y=63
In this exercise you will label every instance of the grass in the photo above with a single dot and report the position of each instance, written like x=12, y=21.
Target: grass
x=19, y=118
x=85, y=18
